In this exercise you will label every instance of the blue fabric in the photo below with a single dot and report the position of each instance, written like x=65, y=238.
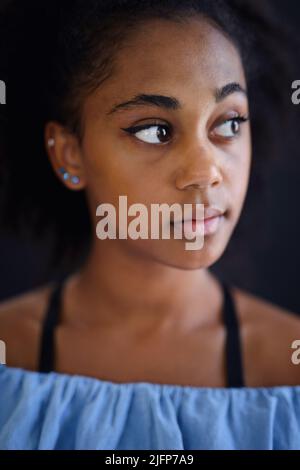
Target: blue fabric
x=60, y=411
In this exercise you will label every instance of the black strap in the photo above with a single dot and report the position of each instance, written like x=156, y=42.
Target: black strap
x=233, y=350
x=47, y=345
x=235, y=375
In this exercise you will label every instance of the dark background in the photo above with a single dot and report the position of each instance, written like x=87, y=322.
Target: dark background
x=266, y=264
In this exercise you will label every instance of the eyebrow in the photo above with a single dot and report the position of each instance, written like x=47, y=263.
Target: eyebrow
x=227, y=90
x=171, y=103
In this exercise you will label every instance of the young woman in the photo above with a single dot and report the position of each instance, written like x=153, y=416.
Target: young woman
x=141, y=346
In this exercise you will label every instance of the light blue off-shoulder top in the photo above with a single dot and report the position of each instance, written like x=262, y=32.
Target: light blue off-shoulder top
x=60, y=411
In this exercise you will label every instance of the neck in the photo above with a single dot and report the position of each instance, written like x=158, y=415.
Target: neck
x=116, y=286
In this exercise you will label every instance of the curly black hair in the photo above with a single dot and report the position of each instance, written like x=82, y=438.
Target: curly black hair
x=53, y=54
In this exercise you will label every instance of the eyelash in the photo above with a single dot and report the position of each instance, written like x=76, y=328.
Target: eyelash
x=134, y=129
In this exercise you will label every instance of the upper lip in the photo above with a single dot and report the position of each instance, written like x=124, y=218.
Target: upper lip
x=209, y=213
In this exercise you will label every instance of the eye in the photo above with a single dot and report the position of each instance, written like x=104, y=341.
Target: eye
x=230, y=128
x=151, y=133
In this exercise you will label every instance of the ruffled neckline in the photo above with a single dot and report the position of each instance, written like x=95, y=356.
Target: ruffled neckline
x=155, y=385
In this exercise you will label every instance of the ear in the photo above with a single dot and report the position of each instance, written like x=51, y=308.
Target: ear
x=65, y=155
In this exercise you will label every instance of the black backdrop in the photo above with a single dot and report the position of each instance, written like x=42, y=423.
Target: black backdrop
x=267, y=264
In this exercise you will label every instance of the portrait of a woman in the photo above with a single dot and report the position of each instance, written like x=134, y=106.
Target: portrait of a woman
x=141, y=346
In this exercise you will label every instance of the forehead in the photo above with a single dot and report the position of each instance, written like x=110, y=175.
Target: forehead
x=186, y=59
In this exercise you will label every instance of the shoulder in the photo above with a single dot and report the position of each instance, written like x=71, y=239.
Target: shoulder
x=268, y=334
x=20, y=326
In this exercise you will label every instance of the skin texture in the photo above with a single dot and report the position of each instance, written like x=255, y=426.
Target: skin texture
x=148, y=309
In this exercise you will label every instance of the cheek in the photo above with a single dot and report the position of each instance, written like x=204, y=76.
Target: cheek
x=107, y=170
x=114, y=169
x=238, y=175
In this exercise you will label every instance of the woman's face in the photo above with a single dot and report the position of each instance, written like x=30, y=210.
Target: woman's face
x=193, y=150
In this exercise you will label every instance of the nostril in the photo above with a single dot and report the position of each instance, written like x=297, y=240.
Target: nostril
x=216, y=182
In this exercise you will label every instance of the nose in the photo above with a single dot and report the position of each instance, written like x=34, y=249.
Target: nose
x=199, y=170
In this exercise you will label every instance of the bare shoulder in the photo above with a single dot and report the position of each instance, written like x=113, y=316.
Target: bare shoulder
x=268, y=334
x=20, y=325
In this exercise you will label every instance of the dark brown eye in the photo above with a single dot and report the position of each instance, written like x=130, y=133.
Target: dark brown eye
x=230, y=128
x=151, y=133
x=235, y=126
x=162, y=133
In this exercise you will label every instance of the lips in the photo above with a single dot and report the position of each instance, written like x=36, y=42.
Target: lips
x=209, y=214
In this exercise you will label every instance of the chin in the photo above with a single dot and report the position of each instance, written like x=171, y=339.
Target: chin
x=174, y=254
x=201, y=260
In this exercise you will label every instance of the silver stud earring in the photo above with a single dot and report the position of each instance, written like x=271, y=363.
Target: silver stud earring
x=66, y=175
x=75, y=180
x=51, y=142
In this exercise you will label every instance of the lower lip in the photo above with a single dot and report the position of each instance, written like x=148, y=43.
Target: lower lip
x=195, y=228
x=212, y=225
